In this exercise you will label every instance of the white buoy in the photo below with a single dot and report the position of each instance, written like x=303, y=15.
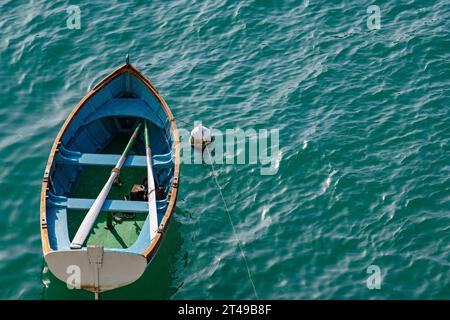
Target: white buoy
x=200, y=137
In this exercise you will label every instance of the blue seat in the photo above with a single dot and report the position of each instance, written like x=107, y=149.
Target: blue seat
x=65, y=156
x=57, y=217
x=109, y=205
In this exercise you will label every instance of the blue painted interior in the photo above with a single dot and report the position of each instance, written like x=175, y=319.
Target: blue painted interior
x=109, y=205
x=91, y=129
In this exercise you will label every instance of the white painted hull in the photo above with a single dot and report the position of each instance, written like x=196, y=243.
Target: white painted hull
x=97, y=272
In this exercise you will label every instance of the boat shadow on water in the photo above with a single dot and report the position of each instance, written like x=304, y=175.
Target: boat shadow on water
x=157, y=282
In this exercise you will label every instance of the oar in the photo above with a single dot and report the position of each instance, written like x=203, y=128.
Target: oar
x=152, y=213
x=91, y=216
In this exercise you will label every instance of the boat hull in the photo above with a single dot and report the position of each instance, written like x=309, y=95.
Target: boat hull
x=95, y=271
x=117, y=267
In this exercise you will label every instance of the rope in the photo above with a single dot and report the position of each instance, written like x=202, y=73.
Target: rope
x=232, y=226
x=185, y=122
x=229, y=218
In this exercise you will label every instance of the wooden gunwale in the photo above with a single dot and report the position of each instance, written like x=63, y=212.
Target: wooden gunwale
x=126, y=68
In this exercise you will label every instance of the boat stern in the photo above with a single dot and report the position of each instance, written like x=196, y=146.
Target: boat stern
x=96, y=269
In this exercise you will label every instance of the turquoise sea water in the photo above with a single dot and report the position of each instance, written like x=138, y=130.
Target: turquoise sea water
x=364, y=165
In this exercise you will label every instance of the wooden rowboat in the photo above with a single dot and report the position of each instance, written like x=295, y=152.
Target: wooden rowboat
x=90, y=227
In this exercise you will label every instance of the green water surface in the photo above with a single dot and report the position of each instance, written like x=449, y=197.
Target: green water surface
x=362, y=170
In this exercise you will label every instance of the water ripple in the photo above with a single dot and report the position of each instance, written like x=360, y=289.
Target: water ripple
x=363, y=174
